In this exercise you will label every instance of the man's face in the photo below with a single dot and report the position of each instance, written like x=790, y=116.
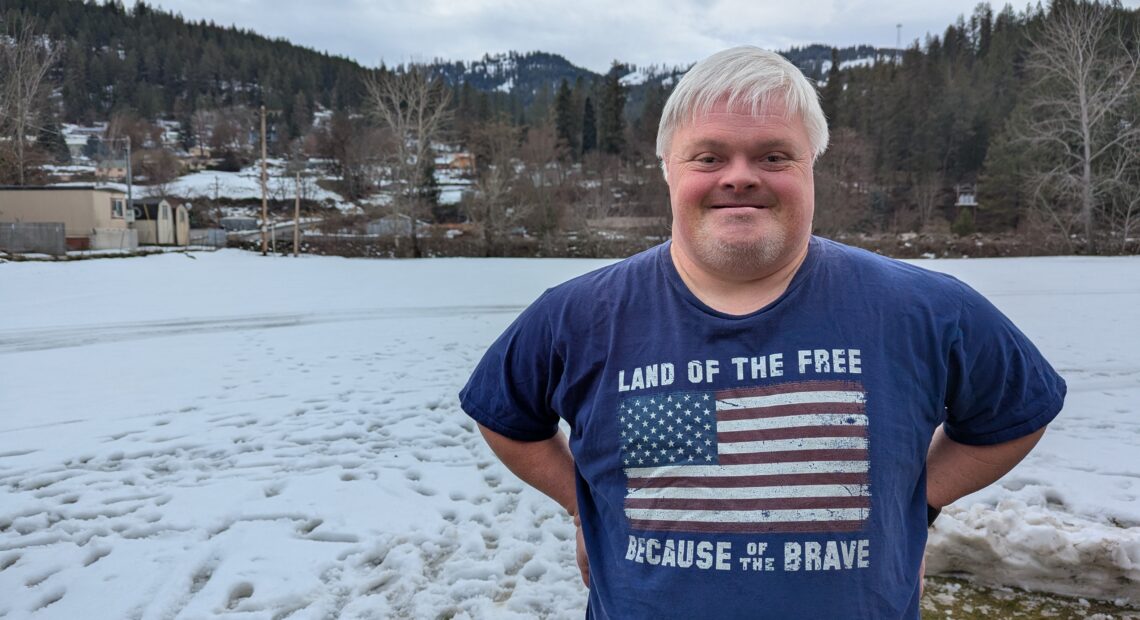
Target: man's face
x=741, y=190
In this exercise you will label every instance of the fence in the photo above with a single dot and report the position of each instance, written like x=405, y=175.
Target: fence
x=33, y=237
x=215, y=237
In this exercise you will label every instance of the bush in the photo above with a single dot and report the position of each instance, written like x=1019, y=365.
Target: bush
x=963, y=225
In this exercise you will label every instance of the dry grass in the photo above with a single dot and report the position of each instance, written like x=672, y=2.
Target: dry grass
x=948, y=597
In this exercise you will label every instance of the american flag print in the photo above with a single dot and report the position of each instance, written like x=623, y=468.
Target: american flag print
x=791, y=457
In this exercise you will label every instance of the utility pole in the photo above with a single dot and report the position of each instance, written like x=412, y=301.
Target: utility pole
x=297, y=218
x=264, y=197
x=130, y=179
x=898, y=42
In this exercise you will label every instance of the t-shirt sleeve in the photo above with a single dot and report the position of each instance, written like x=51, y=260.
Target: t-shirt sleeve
x=511, y=390
x=1000, y=386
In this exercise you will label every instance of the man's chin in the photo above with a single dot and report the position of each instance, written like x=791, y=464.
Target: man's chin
x=740, y=256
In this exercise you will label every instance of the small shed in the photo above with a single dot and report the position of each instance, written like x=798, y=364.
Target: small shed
x=160, y=223
x=967, y=195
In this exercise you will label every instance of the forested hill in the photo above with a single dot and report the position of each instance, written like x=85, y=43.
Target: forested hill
x=158, y=64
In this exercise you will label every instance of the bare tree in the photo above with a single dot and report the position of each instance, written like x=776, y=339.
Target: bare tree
x=413, y=106
x=1085, y=143
x=495, y=207
x=927, y=192
x=842, y=183
x=350, y=146
x=543, y=158
x=25, y=59
x=159, y=167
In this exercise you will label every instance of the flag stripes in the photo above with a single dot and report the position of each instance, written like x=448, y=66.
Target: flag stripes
x=786, y=458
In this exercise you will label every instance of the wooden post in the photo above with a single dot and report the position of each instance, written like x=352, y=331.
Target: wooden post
x=297, y=219
x=264, y=197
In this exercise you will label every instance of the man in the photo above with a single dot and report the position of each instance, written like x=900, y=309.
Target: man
x=761, y=421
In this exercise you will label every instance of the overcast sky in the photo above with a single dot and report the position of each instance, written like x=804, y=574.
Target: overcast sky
x=589, y=33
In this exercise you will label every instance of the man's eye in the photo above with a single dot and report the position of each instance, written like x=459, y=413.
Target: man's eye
x=775, y=159
x=707, y=159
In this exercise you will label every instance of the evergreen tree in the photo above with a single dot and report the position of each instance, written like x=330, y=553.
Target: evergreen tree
x=833, y=90
x=50, y=140
x=650, y=118
x=564, y=118
x=611, y=114
x=589, y=128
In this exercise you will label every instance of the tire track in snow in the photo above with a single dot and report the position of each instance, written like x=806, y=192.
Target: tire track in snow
x=23, y=340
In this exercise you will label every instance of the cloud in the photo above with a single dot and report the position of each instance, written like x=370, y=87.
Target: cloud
x=589, y=33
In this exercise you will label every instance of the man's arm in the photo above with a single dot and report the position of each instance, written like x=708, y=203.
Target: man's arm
x=954, y=470
x=545, y=465
x=549, y=467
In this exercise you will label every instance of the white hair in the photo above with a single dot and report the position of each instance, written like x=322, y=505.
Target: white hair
x=747, y=77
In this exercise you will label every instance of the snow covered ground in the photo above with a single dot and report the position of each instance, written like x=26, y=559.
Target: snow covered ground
x=246, y=185
x=185, y=436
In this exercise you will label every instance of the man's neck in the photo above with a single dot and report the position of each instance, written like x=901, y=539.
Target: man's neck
x=736, y=294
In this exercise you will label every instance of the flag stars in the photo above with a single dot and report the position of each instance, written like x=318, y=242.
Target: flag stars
x=705, y=397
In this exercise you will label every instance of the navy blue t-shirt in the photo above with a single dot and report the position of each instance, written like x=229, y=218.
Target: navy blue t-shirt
x=770, y=465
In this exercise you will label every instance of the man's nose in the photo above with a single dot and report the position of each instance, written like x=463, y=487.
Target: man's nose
x=740, y=175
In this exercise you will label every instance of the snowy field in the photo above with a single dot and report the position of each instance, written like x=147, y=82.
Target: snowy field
x=223, y=434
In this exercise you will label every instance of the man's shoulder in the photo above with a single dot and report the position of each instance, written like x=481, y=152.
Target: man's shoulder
x=862, y=268
x=616, y=280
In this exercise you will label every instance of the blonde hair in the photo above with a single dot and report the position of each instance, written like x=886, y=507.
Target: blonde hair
x=743, y=77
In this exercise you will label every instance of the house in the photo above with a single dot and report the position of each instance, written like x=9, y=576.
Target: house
x=967, y=195
x=160, y=223
x=112, y=169
x=463, y=163
x=94, y=218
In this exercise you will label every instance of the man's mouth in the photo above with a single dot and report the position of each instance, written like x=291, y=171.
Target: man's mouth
x=739, y=206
